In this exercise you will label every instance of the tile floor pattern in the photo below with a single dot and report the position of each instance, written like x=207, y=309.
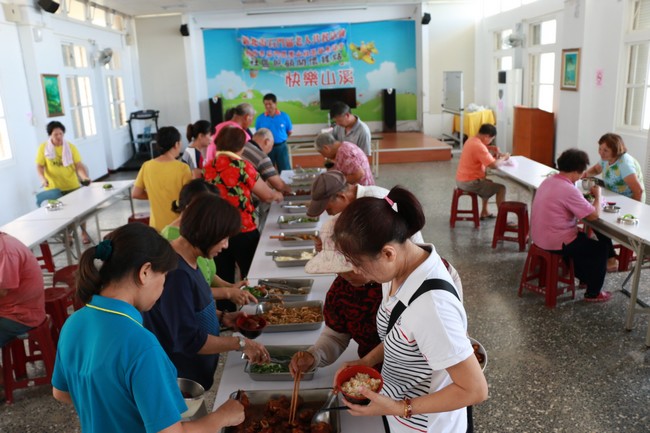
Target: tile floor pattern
x=570, y=369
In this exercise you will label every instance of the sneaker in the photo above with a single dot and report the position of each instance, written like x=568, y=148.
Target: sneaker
x=603, y=296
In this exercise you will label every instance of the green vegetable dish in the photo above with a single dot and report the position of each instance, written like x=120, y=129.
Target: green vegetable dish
x=270, y=368
x=256, y=291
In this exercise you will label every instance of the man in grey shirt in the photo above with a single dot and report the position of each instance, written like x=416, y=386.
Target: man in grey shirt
x=349, y=127
x=256, y=152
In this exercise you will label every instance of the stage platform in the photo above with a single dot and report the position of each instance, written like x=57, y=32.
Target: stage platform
x=394, y=148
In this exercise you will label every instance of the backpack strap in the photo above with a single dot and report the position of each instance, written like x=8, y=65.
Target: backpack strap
x=426, y=286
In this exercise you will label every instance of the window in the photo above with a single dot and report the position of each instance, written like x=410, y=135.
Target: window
x=98, y=15
x=541, y=51
x=76, y=9
x=81, y=106
x=5, y=146
x=115, y=91
x=74, y=56
x=636, y=93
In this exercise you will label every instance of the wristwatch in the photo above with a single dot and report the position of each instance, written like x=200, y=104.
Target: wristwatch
x=242, y=344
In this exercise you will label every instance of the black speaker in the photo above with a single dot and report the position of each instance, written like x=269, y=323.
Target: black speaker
x=216, y=112
x=48, y=5
x=185, y=31
x=426, y=18
x=390, y=110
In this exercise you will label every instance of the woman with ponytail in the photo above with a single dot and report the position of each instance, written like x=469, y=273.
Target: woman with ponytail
x=198, y=137
x=108, y=365
x=429, y=369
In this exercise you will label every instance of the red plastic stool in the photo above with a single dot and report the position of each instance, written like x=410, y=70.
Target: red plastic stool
x=15, y=359
x=57, y=301
x=501, y=227
x=625, y=257
x=458, y=193
x=142, y=217
x=46, y=257
x=549, y=270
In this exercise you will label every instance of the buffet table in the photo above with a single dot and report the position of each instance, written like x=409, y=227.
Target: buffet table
x=235, y=378
x=636, y=237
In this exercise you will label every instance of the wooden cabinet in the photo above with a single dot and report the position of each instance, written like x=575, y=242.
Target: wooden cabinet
x=534, y=134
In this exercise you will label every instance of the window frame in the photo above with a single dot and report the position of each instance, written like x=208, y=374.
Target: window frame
x=535, y=52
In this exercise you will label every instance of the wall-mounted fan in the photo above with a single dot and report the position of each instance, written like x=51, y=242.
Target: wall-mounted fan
x=515, y=40
x=104, y=56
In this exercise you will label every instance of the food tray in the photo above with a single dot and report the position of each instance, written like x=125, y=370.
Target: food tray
x=280, y=352
x=294, y=222
x=297, y=261
x=299, y=289
x=482, y=351
x=611, y=209
x=295, y=207
x=301, y=194
x=626, y=220
x=290, y=327
x=304, y=177
x=312, y=399
x=298, y=242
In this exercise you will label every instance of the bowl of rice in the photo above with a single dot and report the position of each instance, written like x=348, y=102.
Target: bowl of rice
x=351, y=379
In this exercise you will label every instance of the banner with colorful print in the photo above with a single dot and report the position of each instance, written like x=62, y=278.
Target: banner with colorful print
x=287, y=49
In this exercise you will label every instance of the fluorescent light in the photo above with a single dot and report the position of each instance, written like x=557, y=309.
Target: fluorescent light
x=289, y=10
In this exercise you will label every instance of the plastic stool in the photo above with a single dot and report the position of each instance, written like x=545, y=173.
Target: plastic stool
x=458, y=193
x=501, y=227
x=625, y=257
x=46, y=257
x=57, y=301
x=549, y=269
x=68, y=276
x=142, y=217
x=15, y=359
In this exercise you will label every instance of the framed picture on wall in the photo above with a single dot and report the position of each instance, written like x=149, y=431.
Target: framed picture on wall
x=52, y=92
x=570, y=69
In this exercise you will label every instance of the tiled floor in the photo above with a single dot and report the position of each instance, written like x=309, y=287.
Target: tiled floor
x=570, y=369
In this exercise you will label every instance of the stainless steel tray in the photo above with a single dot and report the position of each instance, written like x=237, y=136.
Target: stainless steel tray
x=294, y=222
x=304, y=177
x=278, y=256
x=312, y=399
x=263, y=307
x=298, y=242
x=281, y=352
x=293, y=289
x=298, y=197
x=295, y=207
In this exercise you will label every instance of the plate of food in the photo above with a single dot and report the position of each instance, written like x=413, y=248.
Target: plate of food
x=289, y=289
x=291, y=316
x=480, y=352
x=628, y=218
x=355, y=377
x=271, y=408
x=299, y=195
x=54, y=205
x=297, y=239
x=297, y=221
x=107, y=186
x=292, y=258
x=278, y=368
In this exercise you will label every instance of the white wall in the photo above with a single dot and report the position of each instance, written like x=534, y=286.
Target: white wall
x=33, y=47
x=450, y=47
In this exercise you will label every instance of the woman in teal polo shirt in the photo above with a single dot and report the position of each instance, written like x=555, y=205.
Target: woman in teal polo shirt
x=107, y=364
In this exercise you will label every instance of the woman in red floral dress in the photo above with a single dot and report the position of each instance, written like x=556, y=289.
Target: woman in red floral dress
x=237, y=180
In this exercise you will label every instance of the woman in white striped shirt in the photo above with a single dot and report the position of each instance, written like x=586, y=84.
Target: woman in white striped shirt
x=429, y=369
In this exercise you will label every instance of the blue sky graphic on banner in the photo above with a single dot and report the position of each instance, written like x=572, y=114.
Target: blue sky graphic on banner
x=281, y=49
x=381, y=55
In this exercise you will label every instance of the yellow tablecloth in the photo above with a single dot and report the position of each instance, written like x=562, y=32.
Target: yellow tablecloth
x=473, y=121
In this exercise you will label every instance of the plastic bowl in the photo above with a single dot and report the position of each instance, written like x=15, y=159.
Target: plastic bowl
x=250, y=326
x=193, y=394
x=351, y=371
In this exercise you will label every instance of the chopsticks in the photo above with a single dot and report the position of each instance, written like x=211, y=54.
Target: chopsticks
x=294, y=395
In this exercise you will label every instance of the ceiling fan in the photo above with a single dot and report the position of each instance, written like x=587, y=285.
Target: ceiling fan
x=103, y=57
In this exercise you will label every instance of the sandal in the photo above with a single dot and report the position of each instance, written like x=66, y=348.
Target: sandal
x=488, y=216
